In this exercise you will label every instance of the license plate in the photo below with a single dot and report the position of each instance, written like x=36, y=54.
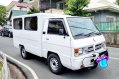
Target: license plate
x=102, y=61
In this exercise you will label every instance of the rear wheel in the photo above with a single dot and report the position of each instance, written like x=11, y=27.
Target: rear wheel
x=54, y=64
x=2, y=34
x=24, y=53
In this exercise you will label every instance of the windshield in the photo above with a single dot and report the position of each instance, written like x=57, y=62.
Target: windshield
x=82, y=27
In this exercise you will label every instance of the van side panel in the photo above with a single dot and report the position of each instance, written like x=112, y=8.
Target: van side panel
x=31, y=40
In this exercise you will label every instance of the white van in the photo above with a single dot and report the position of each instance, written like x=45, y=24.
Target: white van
x=65, y=41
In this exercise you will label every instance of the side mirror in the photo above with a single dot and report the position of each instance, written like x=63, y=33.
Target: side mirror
x=61, y=31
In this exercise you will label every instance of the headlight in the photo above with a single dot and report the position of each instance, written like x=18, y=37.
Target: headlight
x=78, y=52
x=104, y=45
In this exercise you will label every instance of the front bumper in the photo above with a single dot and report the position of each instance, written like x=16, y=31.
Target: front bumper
x=86, y=61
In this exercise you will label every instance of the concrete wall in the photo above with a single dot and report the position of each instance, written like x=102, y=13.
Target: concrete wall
x=111, y=37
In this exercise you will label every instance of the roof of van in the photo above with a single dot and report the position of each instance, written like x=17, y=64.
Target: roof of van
x=43, y=14
x=47, y=15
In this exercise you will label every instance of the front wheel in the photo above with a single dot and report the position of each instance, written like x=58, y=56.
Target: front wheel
x=54, y=64
x=24, y=53
x=95, y=66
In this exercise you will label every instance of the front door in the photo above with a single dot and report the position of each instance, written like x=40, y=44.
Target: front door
x=57, y=39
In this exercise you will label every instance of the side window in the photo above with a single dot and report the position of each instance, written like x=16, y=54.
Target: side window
x=30, y=23
x=55, y=27
x=17, y=23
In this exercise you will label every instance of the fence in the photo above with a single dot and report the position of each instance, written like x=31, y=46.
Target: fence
x=108, y=26
x=4, y=72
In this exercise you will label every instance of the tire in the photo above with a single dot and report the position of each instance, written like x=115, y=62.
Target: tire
x=9, y=35
x=95, y=66
x=54, y=64
x=2, y=34
x=24, y=53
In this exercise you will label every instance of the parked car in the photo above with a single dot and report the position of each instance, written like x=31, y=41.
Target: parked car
x=0, y=30
x=65, y=41
x=6, y=31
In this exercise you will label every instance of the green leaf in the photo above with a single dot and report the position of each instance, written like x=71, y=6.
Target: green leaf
x=2, y=15
x=75, y=7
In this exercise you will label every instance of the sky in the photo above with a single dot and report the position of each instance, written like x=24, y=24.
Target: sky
x=7, y=2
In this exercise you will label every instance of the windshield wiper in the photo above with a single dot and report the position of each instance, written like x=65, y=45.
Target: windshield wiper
x=89, y=34
x=81, y=34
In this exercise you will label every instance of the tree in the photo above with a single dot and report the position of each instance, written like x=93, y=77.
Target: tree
x=117, y=1
x=2, y=15
x=75, y=7
x=33, y=10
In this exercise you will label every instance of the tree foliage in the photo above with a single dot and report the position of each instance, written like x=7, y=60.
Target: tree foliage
x=33, y=10
x=117, y=1
x=2, y=15
x=75, y=7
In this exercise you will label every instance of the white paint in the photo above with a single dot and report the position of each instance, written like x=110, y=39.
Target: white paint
x=114, y=58
x=30, y=69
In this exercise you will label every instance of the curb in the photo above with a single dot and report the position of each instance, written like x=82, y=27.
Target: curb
x=27, y=71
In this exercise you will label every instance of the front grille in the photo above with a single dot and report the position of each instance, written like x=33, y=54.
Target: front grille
x=98, y=46
x=90, y=49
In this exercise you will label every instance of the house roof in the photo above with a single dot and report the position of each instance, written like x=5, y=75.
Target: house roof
x=13, y=3
x=16, y=13
x=102, y=5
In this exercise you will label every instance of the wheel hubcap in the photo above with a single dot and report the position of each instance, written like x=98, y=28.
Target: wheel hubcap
x=23, y=53
x=54, y=64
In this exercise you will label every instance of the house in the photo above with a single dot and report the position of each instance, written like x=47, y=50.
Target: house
x=33, y=3
x=14, y=13
x=103, y=11
x=15, y=8
x=14, y=5
x=104, y=14
x=46, y=4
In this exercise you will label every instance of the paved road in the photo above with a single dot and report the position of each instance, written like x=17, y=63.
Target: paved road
x=41, y=68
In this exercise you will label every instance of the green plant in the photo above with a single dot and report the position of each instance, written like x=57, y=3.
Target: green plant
x=75, y=7
x=1, y=66
x=2, y=15
x=33, y=10
x=117, y=2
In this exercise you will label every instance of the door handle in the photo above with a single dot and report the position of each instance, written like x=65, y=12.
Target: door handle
x=43, y=32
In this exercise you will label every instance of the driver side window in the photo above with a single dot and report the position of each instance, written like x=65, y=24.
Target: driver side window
x=56, y=27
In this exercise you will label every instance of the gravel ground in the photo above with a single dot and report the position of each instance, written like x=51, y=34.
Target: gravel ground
x=15, y=72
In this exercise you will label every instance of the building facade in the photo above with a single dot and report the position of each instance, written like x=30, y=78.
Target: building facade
x=46, y=4
x=105, y=15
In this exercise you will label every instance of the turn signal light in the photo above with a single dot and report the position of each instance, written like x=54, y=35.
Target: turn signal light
x=76, y=52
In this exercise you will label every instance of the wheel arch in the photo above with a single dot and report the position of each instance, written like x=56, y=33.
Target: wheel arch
x=50, y=52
